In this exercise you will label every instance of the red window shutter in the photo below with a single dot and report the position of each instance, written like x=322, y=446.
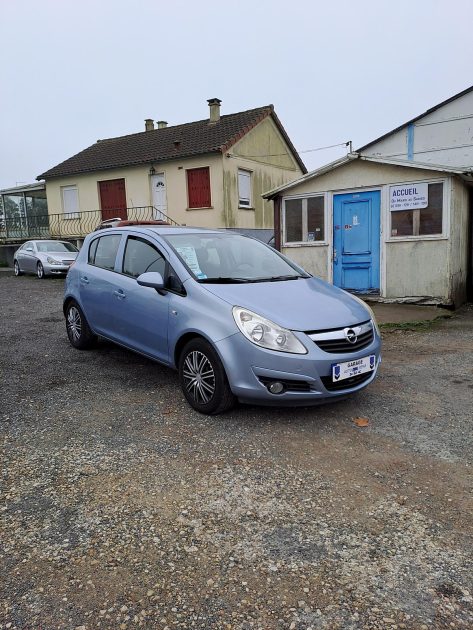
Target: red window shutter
x=198, y=187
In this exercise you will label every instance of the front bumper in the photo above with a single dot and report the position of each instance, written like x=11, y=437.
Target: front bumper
x=250, y=368
x=55, y=269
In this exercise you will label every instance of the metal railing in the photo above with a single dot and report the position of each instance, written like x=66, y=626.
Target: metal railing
x=70, y=226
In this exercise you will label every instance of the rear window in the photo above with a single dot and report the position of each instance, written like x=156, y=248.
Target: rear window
x=103, y=251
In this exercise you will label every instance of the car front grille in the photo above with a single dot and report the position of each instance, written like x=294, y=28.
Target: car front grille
x=347, y=383
x=337, y=341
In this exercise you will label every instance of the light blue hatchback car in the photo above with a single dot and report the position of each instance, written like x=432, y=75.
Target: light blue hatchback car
x=237, y=319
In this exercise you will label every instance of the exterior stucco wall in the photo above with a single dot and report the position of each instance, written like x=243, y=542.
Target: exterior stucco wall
x=431, y=266
x=263, y=152
x=443, y=137
x=417, y=269
x=138, y=192
x=314, y=259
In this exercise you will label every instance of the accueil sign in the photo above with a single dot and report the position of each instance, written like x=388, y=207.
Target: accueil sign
x=408, y=197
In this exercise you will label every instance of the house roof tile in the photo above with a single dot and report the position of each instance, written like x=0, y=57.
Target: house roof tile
x=168, y=143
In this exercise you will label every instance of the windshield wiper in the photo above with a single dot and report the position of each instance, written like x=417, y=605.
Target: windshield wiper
x=281, y=278
x=223, y=280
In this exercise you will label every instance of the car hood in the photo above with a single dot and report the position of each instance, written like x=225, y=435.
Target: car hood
x=307, y=304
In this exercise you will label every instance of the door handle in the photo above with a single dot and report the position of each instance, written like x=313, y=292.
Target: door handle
x=335, y=259
x=84, y=280
x=120, y=294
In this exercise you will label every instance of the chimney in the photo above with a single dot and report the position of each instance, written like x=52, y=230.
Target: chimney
x=149, y=124
x=214, y=104
x=162, y=124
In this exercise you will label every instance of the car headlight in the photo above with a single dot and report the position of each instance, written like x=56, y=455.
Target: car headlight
x=265, y=333
x=370, y=311
x=52, y=261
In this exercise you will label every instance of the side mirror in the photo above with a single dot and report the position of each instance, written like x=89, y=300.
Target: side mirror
x=151, y=279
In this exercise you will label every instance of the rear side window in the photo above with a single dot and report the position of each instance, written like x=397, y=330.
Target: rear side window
x=103, y=251
x=140, y=257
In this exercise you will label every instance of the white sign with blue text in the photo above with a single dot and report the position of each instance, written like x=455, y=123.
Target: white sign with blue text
x=408, y=197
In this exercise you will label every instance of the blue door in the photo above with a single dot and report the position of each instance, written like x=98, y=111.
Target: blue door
x=356, y=238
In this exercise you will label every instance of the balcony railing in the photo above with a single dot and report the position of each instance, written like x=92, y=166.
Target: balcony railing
x=69, y=226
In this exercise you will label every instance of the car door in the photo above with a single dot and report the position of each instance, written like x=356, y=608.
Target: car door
x=97, y=283
x=141, y=313
x=27, y=258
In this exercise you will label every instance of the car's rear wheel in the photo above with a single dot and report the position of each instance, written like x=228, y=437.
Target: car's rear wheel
x=203, y=379
x=78, y=330
x=16, y=268
x=40, y=271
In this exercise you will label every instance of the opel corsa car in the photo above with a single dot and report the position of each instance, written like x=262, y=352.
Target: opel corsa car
x=237, y=319
x=44, y=258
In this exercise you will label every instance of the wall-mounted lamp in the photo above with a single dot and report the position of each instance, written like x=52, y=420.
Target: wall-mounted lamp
x=152, y=170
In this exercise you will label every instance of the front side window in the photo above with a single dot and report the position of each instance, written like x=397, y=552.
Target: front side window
x=141, y=257
x=103, y=251
x=198, y=187
x=70, y=202
x=421, y=221
x=304, y=220
x=244, y=188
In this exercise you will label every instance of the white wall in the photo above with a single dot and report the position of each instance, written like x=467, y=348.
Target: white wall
x=443, y=137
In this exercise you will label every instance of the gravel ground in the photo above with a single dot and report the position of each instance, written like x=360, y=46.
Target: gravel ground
x=121, y=507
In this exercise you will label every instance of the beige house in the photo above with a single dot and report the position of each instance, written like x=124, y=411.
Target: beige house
x=209, y=173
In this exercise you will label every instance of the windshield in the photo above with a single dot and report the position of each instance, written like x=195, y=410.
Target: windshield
x=56, y=246
x=231, y=258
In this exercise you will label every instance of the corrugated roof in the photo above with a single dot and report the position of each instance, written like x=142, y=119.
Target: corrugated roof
x=168, y=143
x=25, y=188
x=351, y=157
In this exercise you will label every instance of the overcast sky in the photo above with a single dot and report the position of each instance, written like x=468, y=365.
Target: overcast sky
x=75, y=71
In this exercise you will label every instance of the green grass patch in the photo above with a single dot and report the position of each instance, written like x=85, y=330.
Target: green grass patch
x=423, y=325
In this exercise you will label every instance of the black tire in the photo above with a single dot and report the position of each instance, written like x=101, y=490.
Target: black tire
x=40, y=271
x=211, y=393
x=77, y=328
x=16, y=269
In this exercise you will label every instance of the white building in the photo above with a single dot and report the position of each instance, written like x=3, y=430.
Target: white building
x=393, y=219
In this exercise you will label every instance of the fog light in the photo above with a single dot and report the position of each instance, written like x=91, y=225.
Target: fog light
x=276, y=388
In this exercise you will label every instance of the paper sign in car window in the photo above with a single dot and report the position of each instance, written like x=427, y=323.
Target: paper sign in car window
x=190, y=258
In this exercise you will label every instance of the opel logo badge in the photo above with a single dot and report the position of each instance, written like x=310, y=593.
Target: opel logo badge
x=351, y=336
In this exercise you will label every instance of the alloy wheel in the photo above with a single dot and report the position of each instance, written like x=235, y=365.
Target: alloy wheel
x=199, y=377
x=40, y=271
x=74, y=323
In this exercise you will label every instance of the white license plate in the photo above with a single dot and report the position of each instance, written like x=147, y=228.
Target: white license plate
x=341, y=371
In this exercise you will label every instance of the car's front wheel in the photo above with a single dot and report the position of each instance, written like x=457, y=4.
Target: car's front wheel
x=203, y=379
x=40, y=271
x=78, y=330
x=16, y=268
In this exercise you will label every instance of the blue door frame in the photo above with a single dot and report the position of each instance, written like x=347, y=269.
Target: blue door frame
x=356, y=241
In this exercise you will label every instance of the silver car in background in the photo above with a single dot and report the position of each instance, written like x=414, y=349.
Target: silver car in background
x=44, y=258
